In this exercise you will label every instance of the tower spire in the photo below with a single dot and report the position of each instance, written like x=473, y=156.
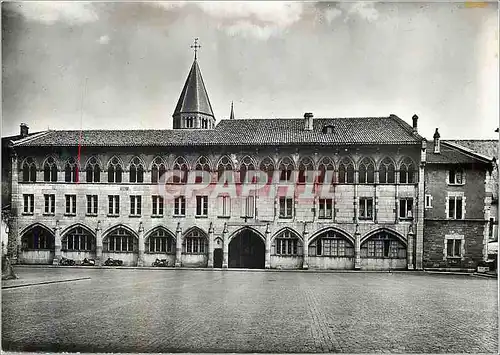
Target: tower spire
x=231, y=116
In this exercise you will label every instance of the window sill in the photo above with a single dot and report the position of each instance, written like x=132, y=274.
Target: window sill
x=77, y=251
x=401, y=219
x=70, y=214
x=156, y=216
x=91, y=214
x=326, y=218
x=120, y=252
x=160, y=252
x=179, y=215
x=185, y=253
x=48, y=214
x=365, y=219
x=455, y=219
x=282, y=217
x=462, y=184
x=112, y=215
x=287, y=255
x=227, y=217
x=27, y=213
x=453, y=257
x=200, y=216
x=134, y=216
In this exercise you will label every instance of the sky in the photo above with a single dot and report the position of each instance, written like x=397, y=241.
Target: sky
x=109, y=65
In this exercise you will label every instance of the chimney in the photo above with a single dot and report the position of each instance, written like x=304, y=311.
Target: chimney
x=436, y=137
x=308, y=121
x=24, y=130
x=415, y=121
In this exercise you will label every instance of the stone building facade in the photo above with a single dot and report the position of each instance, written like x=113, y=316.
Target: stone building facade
x=459, y=190
x=326, y=193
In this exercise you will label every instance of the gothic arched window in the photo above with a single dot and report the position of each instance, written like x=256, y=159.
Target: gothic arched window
x=326, y=169
x=136, y=170
x=387, y=171
x=78, y=239
x=71, y=171
x=195, y=242
x=160, y=241
x=286, y=168
x=246, y=165
x=306, y=167
x=407, y=172
x=180, y=170
x=366, y=171
x=287, y=243
x=157, y=170
x=267, y=166
x=346, y=171
x=114, y=170
x=93, y=170
x=224, y=165
x=50, y=170
x=29, y=170
x=202, y=169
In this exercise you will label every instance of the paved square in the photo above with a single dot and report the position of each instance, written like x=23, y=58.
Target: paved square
x=166, y=310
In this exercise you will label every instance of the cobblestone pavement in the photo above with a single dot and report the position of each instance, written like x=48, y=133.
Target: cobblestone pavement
x=133, y=310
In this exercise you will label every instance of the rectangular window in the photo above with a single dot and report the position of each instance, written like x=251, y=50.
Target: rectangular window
x=71, y=204
x=50, y=204
x=29, y=203
x=366, y=208
x=180, y=206
x=248, y=207
x=286, y=207
x=202, y=205
x=428, y=201
x=224, y=206
x=91, y=205
x=114, y=205
x=406, y=208
x=456, y=177
x=454, y=248
x=455, y=207
x=135, y=205
x=157, y=205
x=325, y=208
x=286, y=246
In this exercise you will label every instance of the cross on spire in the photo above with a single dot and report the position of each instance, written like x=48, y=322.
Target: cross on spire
x=195, y=47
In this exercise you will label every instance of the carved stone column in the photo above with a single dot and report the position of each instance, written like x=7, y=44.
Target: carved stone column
x=357, y=249
x=225, y=253
x=57, y=244
x=409, y=252
x=14, y=239
x=267, y=263
x=211, y=246
x=305, y=249
x=178, y=245
x=140, y=258
x=98, y=244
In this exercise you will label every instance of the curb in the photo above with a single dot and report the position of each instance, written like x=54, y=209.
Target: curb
x=44, y=283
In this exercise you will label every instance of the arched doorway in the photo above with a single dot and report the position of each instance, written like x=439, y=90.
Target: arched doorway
x=37, y=245
x=247, y=250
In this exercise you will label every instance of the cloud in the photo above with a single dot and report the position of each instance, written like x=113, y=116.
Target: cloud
x=259, y=19
x=104, y=39
x=51, y=12
x=364, y=9
x=332, y=14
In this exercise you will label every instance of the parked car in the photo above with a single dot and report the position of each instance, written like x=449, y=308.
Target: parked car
x=113, y=262
x=160, y=262
x=66, y=262
x=88, y=262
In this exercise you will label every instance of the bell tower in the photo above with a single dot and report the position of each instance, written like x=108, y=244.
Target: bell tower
x=193, y=110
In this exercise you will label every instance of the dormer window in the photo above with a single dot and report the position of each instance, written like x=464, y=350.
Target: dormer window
x=328, y=129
